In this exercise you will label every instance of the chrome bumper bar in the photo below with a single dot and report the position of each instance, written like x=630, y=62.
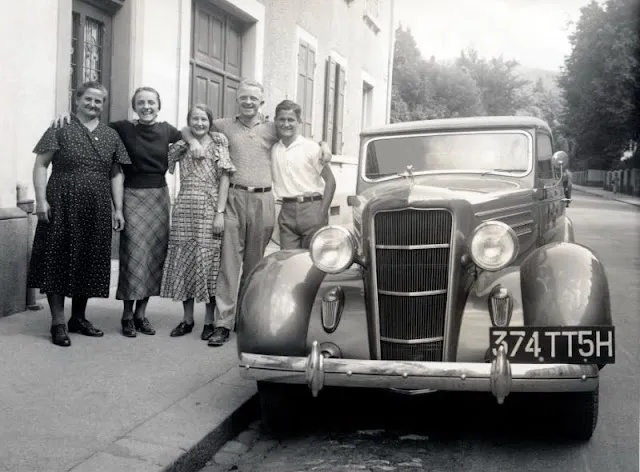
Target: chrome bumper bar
x=499, y=377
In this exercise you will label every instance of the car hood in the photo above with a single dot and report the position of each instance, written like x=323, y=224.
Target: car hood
x=479, y=191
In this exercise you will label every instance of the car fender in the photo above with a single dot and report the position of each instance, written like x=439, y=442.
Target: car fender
x=276, y=303
x=474, y=328
x=564, y=284
x=569, y=234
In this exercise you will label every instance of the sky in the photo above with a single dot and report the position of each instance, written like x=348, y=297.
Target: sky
x=533, y=32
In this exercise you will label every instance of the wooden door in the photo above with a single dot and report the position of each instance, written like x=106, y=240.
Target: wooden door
x=216, y=62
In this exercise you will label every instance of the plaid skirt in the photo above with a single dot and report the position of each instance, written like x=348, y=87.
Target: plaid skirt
x=143, y=242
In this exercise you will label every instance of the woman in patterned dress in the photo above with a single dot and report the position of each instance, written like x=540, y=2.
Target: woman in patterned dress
x=71, y=254
x=143, y=242
x=197, y=224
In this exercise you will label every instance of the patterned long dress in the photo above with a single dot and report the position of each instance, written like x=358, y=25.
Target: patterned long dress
x=72, y=253
x=193, y=257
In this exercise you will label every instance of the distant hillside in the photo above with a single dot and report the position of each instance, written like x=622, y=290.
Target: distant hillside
x=548, y=77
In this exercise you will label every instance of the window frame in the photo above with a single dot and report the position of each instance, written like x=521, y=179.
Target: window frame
x=549, y=174
x=81, y=9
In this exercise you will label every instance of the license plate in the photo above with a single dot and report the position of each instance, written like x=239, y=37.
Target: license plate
x=555, y=345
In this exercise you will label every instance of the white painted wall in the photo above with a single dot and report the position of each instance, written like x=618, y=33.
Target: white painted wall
x=27, y=88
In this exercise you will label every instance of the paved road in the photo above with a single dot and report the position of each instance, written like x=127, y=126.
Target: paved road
x=469, y=432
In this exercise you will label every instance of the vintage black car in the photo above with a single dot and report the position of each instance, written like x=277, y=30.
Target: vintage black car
x=460, y=272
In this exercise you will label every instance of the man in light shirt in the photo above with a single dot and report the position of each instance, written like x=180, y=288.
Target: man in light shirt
x=301, y=179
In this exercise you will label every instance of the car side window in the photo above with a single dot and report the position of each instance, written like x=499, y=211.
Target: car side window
x=544, y=152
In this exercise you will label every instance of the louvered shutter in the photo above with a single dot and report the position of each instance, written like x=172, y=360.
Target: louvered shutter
x=339, y=110
x=329, y=102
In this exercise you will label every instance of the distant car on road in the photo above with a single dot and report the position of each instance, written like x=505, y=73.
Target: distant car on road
x=460, y=272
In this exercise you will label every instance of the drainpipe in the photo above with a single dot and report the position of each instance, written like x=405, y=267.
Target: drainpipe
x=392, y=42
x=28, y=206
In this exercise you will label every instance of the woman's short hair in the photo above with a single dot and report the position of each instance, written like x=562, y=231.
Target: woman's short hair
x=80, y=91
x=145, y=89
x=202, y=107
x=286, y=105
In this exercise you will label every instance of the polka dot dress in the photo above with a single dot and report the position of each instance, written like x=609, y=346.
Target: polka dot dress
x=72, y=253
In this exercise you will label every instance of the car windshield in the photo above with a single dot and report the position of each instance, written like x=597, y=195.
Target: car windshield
x=488, y=151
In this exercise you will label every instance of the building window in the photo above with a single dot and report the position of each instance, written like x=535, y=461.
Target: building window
x=90, y=49
x=335, y=84
x=544, y=152
x=306, y=84
x=216, y=60
x=367, y=105
x=372, y=14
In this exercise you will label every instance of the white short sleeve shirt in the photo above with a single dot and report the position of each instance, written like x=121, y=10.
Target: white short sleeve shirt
x=296, y=169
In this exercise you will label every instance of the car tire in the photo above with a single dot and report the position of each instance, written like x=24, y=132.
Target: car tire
x=282, y=406
x=578, y=414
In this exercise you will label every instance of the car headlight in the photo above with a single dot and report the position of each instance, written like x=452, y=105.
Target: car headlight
x=333, y=249
x=494, y=245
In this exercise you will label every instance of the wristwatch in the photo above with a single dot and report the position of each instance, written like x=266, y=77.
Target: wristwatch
x=221, y=212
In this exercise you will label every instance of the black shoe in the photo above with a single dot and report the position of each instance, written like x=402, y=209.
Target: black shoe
x=219, y=337
x=128, y=328
x=144, y=326
x=59, y=335
x=182, y=329
x=84, y=326
x=207, y=331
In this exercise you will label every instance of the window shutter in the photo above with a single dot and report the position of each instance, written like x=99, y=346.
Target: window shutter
x=307, y=105
x=339, y=110
x=302, y=72
x=304, y=97
x=329, y=103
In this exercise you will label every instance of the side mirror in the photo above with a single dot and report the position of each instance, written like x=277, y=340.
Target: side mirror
x=560, y=159
x=352, y=200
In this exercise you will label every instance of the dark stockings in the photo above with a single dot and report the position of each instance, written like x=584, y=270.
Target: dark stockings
x=56, y=304
x=78, y=307
x=140, y=309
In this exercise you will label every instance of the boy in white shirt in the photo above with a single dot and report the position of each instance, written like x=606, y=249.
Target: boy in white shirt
x=304, y=183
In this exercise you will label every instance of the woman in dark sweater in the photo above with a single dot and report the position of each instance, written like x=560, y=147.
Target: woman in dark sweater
x=144, y=240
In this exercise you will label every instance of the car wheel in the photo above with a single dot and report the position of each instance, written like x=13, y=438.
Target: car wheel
x=578, y=414
x=282, y=406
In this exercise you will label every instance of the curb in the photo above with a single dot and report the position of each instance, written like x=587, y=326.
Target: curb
x=196, y=458
x=596, y=194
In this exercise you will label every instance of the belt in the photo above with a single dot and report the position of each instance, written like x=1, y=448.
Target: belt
x=251, y=189
x=302, y=198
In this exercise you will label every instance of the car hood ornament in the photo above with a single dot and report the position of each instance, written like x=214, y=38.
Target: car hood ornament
x=408, y=174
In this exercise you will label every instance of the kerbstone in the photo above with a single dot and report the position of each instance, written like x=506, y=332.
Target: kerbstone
x=103, y=462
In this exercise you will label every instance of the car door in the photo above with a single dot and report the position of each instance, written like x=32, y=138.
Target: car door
x=550, y=209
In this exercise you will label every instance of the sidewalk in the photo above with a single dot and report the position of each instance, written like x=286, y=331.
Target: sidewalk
x=606, y=194
x=117, y=404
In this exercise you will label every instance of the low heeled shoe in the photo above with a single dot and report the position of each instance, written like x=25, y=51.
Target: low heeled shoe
x=182, y=329
x=207, y=332
x=143, y=325
x=85, y=327
x=59, y=335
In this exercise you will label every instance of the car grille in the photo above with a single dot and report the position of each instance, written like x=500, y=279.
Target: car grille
x=412, y=249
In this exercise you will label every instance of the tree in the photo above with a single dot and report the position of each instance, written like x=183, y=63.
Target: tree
x=600, y=83
x=426, y=89
x=548, y=105
x=498, y=83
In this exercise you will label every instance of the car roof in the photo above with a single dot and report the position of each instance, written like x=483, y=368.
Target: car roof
x=458, y=124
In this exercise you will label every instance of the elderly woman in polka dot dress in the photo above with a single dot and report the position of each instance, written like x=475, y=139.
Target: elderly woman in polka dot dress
x=72, y=246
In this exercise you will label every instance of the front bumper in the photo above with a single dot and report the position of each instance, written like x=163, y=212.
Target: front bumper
x=500, y=377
